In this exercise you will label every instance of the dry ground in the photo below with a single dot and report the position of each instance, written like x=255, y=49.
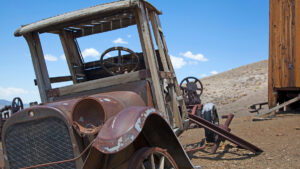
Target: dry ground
x=233, y=92
x=279, y=138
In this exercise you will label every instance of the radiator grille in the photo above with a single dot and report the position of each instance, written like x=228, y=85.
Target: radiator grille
x=38, y=142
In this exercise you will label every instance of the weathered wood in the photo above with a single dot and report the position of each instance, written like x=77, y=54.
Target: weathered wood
x=265, y=114
x=158, y=41
x=297, y=42
x=171, y=69
x=284, y=56
x=102, y=27
x=149, y=56
x=71, y=17
x=281, y=43
x=174, y=102
x=166, y=75
x=39, y=64
x=71, y=53
x=57, y=79
x=100, y=83
x=79, y=16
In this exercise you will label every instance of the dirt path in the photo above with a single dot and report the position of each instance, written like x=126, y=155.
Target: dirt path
x=279, y=138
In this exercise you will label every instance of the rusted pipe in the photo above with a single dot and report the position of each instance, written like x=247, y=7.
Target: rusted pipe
x=225, y=134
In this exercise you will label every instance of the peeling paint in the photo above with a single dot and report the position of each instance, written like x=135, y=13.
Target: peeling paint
x=106, y=99
x=147, y=112
x=144, y=115
x=132, y=137
x=117, y=147
x=138, y=125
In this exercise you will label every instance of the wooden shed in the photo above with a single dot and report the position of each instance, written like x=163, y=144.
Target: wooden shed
x=284, y=51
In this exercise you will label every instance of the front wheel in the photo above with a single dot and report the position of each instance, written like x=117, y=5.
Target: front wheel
x=152, y=158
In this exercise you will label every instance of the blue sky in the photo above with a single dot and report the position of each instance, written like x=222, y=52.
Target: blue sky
x=204, y=37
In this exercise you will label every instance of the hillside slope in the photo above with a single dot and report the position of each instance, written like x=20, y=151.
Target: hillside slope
x=4, y=103
x=235, y=90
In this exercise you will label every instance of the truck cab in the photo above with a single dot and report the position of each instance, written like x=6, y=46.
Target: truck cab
x=123, y=105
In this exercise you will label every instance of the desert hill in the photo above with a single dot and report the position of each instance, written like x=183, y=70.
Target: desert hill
x=235, y=90
x=4, y=103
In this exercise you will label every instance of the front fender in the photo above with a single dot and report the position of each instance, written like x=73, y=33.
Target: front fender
x=121, y=130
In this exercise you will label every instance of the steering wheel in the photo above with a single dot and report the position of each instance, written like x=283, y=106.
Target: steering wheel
x=193, y=85
x=121, y=64
x=17, y=105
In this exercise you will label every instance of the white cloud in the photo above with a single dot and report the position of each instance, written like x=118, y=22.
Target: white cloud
x=199, y=57
x=120, y=41
x=129, y=36
x=8, y=93
x=177, y=62
x=63, y=57
x=12, y=91
x=203, y=75
x=214, y=72
x=90, y=52
x=50, y=58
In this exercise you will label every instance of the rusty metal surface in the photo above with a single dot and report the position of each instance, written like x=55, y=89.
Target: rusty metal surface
x=36, y=113
x=218, y=138
x=225, y=134
x=100, y=107
x=121, y=130
x=8, y=110
x=192, y=90
x=63, y=161
x=111, y=103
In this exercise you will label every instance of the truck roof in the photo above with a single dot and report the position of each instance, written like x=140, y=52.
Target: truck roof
x=95, y=19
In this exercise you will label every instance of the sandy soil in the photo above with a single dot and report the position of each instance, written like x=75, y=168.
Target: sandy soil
x=279, y=138
x=233, y=92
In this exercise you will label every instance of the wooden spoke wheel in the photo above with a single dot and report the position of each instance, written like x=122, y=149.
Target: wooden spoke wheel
x=152, y=158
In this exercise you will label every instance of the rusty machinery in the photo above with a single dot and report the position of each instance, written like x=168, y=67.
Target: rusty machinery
x=8, y=110
x=123, y=111
x=206, y=116
x=16, y=105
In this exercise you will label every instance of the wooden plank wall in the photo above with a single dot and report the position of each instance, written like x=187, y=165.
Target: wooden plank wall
x=297, y=42
x=284, y=58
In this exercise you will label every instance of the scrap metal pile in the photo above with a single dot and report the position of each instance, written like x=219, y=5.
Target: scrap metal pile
x=8, y=110
x=206, y=116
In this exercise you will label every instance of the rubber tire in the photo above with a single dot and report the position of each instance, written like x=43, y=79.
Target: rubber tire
x=209, y=135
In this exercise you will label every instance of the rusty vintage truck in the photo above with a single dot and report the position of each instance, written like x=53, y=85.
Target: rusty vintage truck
x=122, y=111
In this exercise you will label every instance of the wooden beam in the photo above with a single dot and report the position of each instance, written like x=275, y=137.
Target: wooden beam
x=158, y=41
x=149, y=56
x=39, y=64
x=100, y=83
x=171, y=69
x=71, y=53
x=57, y=79
x=78, y=16
x=270, y=111
x=103, y=27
